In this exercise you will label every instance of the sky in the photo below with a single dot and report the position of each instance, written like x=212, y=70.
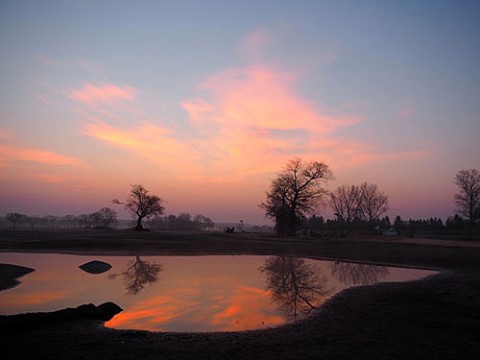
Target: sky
x=204, y=102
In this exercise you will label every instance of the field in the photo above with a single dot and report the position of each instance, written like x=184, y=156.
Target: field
x=436, y=317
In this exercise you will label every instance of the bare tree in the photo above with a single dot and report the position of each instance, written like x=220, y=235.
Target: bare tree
x=142, y=205
x=295, y=193
x=468, y=197
x=345, y=202
x=373, y=203
x=138, y=274
x=358, y=274
x=295, y=285
x=107, y=217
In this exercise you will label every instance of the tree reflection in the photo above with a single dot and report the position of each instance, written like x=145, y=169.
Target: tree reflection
x=138, y=274
x=294, y=284
x=358, y=274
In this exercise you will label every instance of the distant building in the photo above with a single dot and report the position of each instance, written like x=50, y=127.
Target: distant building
x=390, y=232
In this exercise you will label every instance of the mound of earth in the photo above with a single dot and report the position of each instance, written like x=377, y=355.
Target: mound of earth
x=9, y=274
x=21, y=322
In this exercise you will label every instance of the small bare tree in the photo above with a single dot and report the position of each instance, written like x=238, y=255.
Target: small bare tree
x=468, y=197
x=142, y=205
x=138, y=274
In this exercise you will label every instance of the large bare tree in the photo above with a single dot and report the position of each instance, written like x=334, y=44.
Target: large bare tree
x=294, y=285
x=142, y=205
x=468, y=197
x=295, y=193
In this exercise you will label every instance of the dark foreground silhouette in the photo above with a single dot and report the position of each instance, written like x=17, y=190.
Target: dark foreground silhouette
x=433, y=318
x=10, y=273
x=11, y=324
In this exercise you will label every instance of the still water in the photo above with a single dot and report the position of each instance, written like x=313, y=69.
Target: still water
x=190, y=293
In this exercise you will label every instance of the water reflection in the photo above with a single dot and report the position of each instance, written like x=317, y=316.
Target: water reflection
x=295, y=286
x=196, y=293
x=138, y=274
x=358, y=274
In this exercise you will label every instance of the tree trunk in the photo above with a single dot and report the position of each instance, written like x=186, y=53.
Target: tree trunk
x=139, y=226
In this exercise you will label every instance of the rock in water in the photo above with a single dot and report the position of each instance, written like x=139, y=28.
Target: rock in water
x=95, y=267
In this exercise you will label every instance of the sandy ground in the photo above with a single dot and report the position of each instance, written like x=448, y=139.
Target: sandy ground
x=435, y=318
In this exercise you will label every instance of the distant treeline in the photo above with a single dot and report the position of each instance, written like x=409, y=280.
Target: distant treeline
x=182, y=222
x=454, y=226
x=105, y=218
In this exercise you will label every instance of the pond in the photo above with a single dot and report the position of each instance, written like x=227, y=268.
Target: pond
x=189, y=293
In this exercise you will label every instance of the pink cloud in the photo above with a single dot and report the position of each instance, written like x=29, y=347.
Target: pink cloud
x=247, y=121
x=14, y=153
x=255, y=113
x=91, y=94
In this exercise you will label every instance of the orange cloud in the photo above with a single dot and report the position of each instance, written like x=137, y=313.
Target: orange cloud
x=244, y=308
x=14, y=153
x=91, y=94
x=151, y=142
x=248, y=308
x=147, y=315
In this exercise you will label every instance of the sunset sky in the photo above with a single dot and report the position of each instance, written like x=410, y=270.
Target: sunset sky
x=202, y=102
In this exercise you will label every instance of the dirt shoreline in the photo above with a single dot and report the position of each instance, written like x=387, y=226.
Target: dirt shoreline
x=437, y=317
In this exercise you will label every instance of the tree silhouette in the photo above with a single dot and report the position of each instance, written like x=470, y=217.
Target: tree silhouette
x=295, y=285
x=16, y=218
x=468, y=197
x=373, y=203
x=138, y=274
x=295, y=193
x=142, y=205
x=358, y=274
x=344, y=201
